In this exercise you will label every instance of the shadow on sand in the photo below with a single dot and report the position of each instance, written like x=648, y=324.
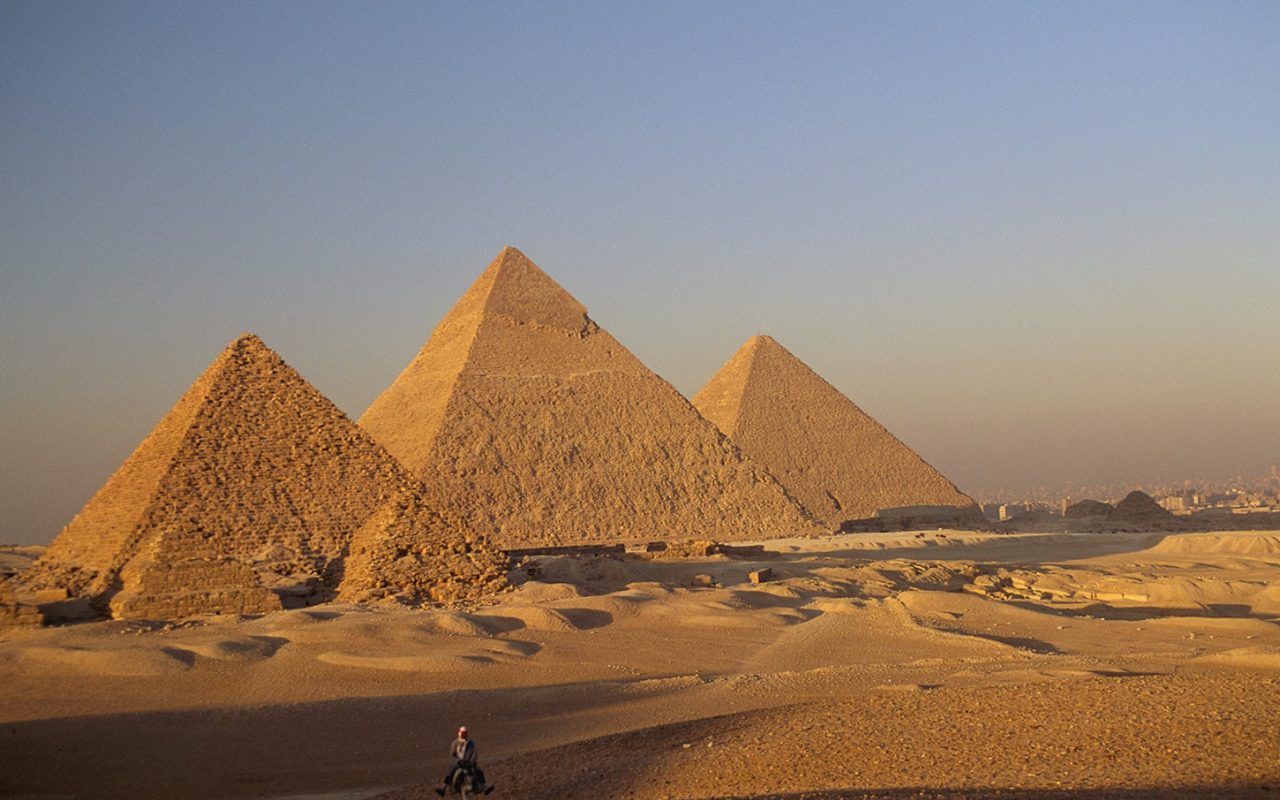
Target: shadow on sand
x=929, y=793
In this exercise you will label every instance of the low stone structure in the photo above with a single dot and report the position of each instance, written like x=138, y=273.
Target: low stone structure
x=691, y=549
x=744, y=551
x=910, y=518
x=160, y=590
x=14, y=613
x=696, y=548
x=571, y=550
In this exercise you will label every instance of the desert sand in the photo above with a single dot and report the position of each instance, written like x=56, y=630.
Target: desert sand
x=943, y=664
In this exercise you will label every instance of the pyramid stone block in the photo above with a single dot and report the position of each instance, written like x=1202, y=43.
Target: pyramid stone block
x=834, y=458
x=540, y=428
x=254, y=479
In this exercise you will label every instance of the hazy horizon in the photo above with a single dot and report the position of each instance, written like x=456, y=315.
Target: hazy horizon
x=1039, y=243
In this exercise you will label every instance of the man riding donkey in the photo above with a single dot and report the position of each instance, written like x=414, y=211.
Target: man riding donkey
x=465, y=757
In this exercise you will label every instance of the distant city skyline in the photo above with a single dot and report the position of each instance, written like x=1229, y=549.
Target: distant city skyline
x=1110, y=492
x=1037, y=242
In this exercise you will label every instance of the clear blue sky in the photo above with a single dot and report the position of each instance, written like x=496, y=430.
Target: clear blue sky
x=1038, y=241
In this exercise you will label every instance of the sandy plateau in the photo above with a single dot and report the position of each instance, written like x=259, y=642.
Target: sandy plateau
x=946, y=664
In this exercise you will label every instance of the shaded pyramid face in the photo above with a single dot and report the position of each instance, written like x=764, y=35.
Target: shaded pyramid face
x=835, y=459
x=253, y=476
x=537, y=425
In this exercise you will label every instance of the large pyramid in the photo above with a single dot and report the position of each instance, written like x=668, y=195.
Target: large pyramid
x=253, y=481
x=540, y=428
x=830, y=455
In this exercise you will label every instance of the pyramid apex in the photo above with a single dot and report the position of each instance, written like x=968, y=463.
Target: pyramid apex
x=247, y=348
x=760, y=345
x=766, y=342
x=515, y=287
x=249, y=340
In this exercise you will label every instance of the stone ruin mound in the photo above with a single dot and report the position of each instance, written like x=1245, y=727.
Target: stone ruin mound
x=835, y=459
x=1088, y=509
x=249, y=490
x=13, y=612
x=1139, y=505
x=541, y=429
x=1137, y=511
x=390, y=557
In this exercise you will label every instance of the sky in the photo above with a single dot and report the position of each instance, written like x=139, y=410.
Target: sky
x=1039, y=242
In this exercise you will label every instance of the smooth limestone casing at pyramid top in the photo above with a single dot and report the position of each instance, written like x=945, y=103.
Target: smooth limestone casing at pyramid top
x=541, y=428
x=838, y=461
x=253, y=480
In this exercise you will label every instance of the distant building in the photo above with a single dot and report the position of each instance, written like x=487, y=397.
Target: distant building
x=1010, y=510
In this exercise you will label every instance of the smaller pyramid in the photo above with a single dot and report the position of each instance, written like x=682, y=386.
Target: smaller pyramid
x=1139, y=506
x=834, y=458
x=251, y=488
x=408, y=552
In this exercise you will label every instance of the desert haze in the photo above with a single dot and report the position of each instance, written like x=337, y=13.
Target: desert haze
x=947, y=664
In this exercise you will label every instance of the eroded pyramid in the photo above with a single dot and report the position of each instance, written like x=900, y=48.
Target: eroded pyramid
x=390, y=557
x=540, y=428
x=834, y=458
x=253, y=481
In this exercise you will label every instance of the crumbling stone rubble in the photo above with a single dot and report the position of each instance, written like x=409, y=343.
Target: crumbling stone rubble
x=14, y=613
x=408, y=552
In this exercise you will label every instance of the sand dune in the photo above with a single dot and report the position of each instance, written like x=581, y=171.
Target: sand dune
x=973, y=654
x=437, y=659
x=114, y=662
x=240, y=649
x=1244, y=542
